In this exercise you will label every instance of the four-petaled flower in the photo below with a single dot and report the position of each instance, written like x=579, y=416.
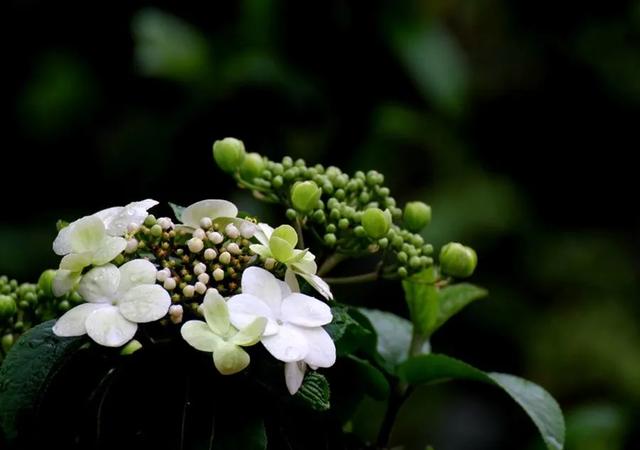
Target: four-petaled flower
x=118, y=300
x=294, y=332
x=280, y=245
x=218, y=336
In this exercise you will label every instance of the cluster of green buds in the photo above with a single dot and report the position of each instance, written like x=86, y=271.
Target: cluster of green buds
x=350, y=215
x=25, y=305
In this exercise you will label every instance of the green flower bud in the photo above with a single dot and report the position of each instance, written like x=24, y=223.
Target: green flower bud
x=156, y=230
x=331, y=228
x=290, y=173
x=417, y=215
x=458, y=260
x=403, y=272
x=252, y=166
x=383, y=243
x=7, y=342
x=376, y=222
x=335, y=214
x=359, y=231
x=330, y=239
x=319, y=216
x=228, y=153
x=402, y=257
x=287, y=162
x=64, y=306
x=282, y=242
x=8, y=307
x=150, y=220
x=277, y=181
x=291, y=214
x=305, y=196
x=340, y=194
x=45, y=282
x=343, y=224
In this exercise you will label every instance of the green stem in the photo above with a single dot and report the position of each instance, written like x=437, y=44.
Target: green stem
x=329, y=263
x=364, y=278
x=298, y=226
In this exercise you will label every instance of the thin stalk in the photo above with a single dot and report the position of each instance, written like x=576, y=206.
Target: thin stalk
x=298, y=226
x=329, y=263
x=363, y=278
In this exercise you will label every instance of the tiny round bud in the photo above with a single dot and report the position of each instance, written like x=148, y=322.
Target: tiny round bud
x=247, y=230
x=215, y=237
x=305, y=196
x=234, y=249
x=206, y=223
x=228, y=153
x=331, y=228
x=417, y=215
x=232, y=231
x=156, y=230
x=225, y=258
x=384, y=242
x=8, y=306
x=199, y=268
x=291, y=214
x=203, y=278
x=169, y=284
x=359, y=231
x=165, y=223
x=188, y=291
x=210, y=254
x=162, y=275
x=218, y=274
x=330, y=239
x=269, y=263
x=319, y=216
x=132, y=246
x=199, y=233
x=458, y=260
x=200, y=287
x=7, y=342
x=402, y=272
x=150, y=220
x=45, y=282
x=252, y=166
x=64, y=306
x=376, y=222
x=402, y=257
x=132, y=228
x=343, y=223
x=195, y=245
x=175, y=313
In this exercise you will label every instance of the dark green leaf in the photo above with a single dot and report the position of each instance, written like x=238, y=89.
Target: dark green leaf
x=243, y=432
x=421, y=295
x=453, y=298
x=314, y=392
x=537, y=403
x=177, y=210
x=373, y=380
x=394, y=336
x=25, y=371
x=348, y=333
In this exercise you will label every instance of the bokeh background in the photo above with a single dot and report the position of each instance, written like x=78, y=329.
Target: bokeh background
x=516, y=121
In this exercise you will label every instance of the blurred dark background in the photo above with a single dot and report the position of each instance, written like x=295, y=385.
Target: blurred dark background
x=516, y=121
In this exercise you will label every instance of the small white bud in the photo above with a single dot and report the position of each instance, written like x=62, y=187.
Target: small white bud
x=206, y=223
x=234, y=249
x=132, y=246
x=195, y=245
x=218, y=274
x=175, y=313
x=201, y=288
x=203, y=278
x=247, y=230
x=215, y=237
x=232, y=231
x=269, y=263
x=199, y=268
x=188, y=291
x=132, y=228
x=163, y=274
x=210, y=254
x=199, y=233
x=169, y=284
x=212, y=290
x=165, y=223
x=225, y=257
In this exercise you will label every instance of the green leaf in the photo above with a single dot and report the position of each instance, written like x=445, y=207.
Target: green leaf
x=348, y=334
x=177, y=210
x=24, y=374
x=453, y=298
x=537, y=403
x=421, y=295
x=240, y=431
x=394, y=336
x=314, y=392
x=373, y=380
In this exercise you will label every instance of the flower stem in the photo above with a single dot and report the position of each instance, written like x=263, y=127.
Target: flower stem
x=363, y=278
x=298, y=226
x=329, y=263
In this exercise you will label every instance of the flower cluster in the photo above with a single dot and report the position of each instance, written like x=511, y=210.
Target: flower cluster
x=129, y=268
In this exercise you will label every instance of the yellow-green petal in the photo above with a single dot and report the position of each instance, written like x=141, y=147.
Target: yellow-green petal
x=229, y=359
x=250, y=335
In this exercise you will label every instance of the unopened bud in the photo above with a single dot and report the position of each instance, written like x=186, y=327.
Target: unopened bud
x=305, y=196
x=8, y=307
x=458, y=260
x=169, y=284
x=247, y=230
x=199, y=268
x=163, y=274
x=234, y=249
x=252, y=166
x=133, y=346
x=175, y=313
x=417, y=215
x=376, y=222
x=45, y=282
x=165, y=223
x=228, y=153
x=210, y=254
x=195, y=245
x=200, y=287
x=232, y=231
x=203, y=278
x=188, y=291
x=132, y=246
x=215, y=237
x=225, y=258
x=206, y=223
x=269, y=263
x=218, y=274
x=199, y=233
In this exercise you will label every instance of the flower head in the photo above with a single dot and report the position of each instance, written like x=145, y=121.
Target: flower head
x=293, y=333
x=216, y=335
x=118, y=300
x=280, y=244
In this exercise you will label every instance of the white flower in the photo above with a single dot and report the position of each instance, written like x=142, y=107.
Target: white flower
x=301, y=262
x=118, y=300
x=294, y=332
x=218, y=336
x=193, y=216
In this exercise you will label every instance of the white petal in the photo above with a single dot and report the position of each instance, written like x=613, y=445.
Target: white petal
x=261, y=250
x=100, y=284
x=319, y=285
x=291, y=282
x=245, y=308
x=87, y=234
x=75, y=262
x=199, y=336
x=64, y=281
x=263, y=234
x=216, y=312
x=294, y=375
x=108, y=215
x=135, y=273
x=62, y=243
x=133, y=213
x=143, y=204
x=207, y=208
x=262, y=284
x=306, y=265
x=322, y=350
x=72, y=323
x=107, y=327
x=305, y=311
x=145, y=303
x=251, y=334
x=230, y=359
x=108, y=249
x=288, y=345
